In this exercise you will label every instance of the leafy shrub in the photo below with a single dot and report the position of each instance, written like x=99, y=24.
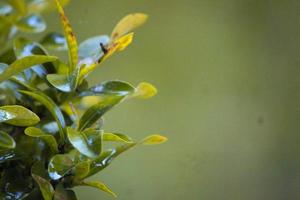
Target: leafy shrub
x=51, y=136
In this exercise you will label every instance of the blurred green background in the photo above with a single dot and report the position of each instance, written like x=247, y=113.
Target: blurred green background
x=229, y=102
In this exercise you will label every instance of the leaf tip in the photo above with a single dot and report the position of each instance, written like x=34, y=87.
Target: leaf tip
x=145, y=90
x=154, y=139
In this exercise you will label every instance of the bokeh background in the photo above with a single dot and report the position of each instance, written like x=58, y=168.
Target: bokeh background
x=229, y=98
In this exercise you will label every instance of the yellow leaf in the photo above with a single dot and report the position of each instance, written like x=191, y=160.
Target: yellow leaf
x=120, y=39
x=118, y=45
x=127, y=24
x=145, y=90
x=154, y=139
x=124, y=41
x=70, y=37
x=85, y=70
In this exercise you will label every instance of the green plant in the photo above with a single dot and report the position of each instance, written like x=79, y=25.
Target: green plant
x=51, y=136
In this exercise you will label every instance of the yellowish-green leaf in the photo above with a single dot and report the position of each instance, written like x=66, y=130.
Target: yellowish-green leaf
x=6, y=115
x=89, y=143
x=117, y=137
x=65, y=83
x=52, y=107
x=19, y=5
x=60, y=165
x=127, y=24
x=154, y=139
x=145, y=90
x=96, y=111
x=105, y=159
x=82, y=169
x=55, y=41
x=80, y=142
x=32, y=24
x=23, y=47
x=70, y=110
x=37, y=6
x=60, y=81
x=89, y=101
x=24, y=63
x=113, y=87
x=70, y=37
x=47, y=138
x=61, y=67
x=99, y=185
x=6, y=141
x=21, y=115
x=45, y=187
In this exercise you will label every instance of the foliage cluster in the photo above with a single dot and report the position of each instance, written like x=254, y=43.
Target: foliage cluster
x=51, y=121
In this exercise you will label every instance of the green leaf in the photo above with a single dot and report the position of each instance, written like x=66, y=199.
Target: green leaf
x=16, y=184
x=61, y=67
x=8, y=155
x=70, y=37
x=117, y=137
x=48, y=139
x=8, y=56
x=55, y=41
x=5, y=9
x=24, y=63
x=82, y=170
x=19, y=5
x=60, y=81
x=105, y=159
x=37, y=6
x=32, y=24
x=45, y=187
x=154, y=139
x=65, y=83
x=59, y=166
x=94, y=141
x=96, y=111
x=64, y=194
x=120, y=88
x=143, y=90
x=5, y=115
x=24, y=47
x=38, y=168
x=21, y=116
x=6, y=141
x=91, y=48
x=89, y=143
x=52, y=107
x=98, y=185
x=5, y=31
